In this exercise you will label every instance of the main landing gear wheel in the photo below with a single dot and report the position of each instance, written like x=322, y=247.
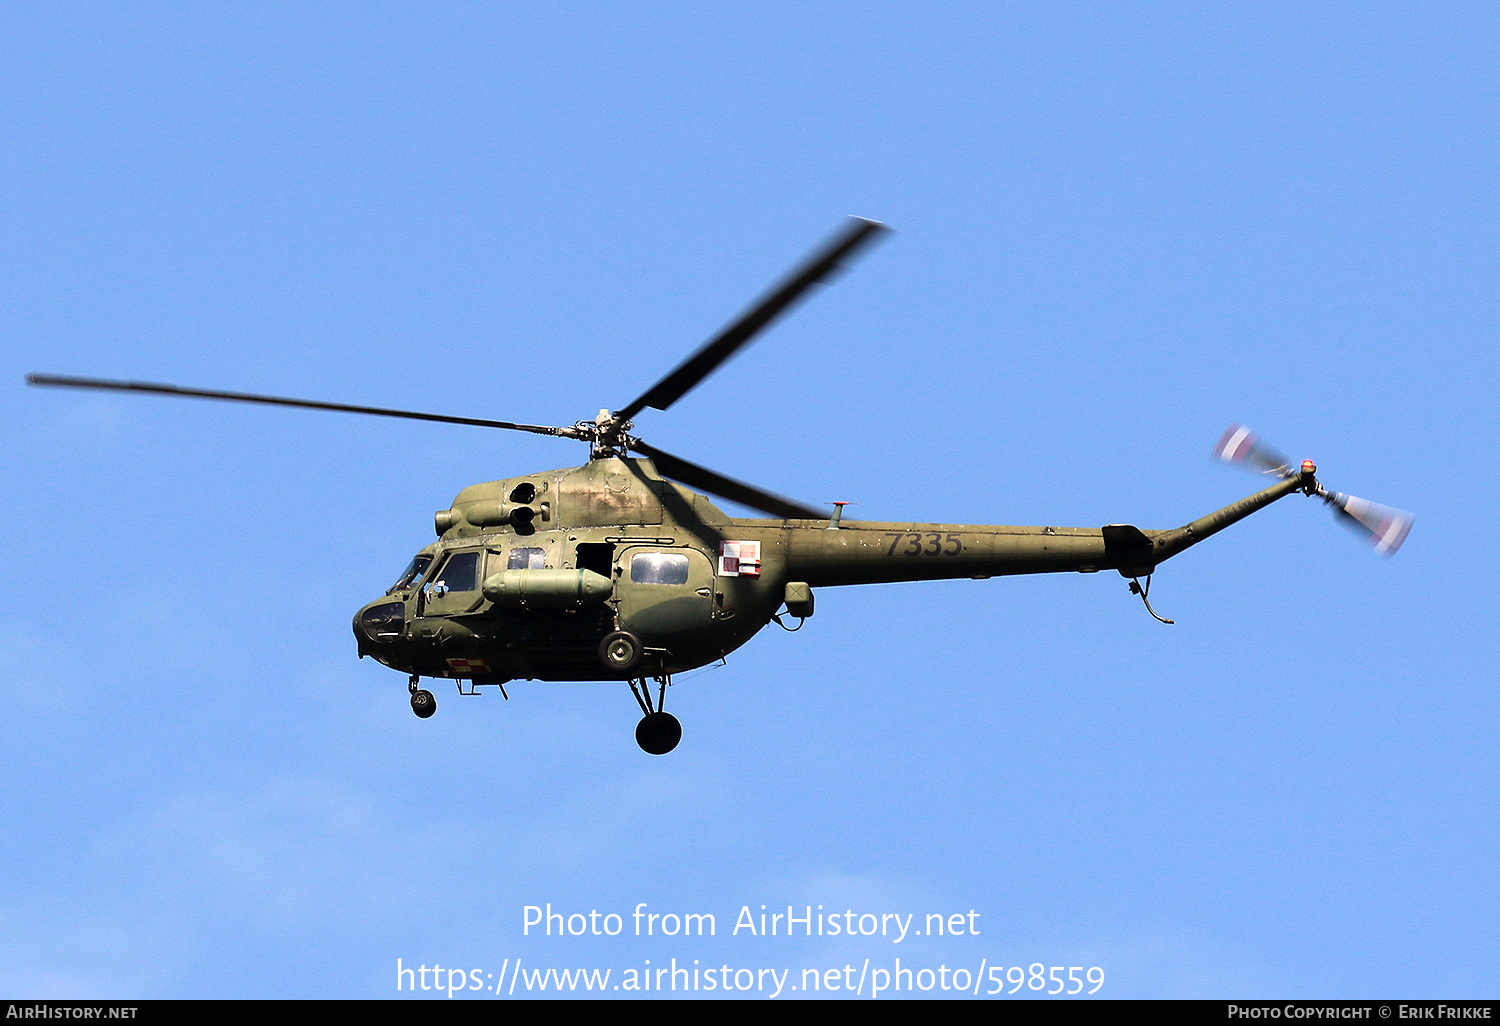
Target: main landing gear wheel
x=658, y=733
x=422, y=702
x=621, y=651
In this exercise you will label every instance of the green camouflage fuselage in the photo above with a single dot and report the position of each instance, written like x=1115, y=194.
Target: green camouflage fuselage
x=529, y=574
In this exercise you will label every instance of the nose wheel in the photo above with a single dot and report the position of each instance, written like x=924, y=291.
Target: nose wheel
x=658, y=732
x=422, y=702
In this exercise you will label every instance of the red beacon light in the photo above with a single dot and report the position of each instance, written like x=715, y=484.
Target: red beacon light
x=1309, y=480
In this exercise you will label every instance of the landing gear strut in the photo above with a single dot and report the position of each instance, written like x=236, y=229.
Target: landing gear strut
x=422, y=702
x=658, y=732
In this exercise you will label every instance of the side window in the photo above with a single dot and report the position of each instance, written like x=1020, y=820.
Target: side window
x=527, y=559
x=659, y=568
x=461, y=572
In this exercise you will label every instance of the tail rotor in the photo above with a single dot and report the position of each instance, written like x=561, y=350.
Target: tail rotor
x=1240, y=446
x=1385, y=528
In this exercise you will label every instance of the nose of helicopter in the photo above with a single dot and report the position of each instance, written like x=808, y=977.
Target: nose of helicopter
x=380, y=622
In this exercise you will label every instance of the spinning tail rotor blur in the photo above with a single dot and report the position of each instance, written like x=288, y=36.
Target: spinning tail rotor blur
x=1385, y=528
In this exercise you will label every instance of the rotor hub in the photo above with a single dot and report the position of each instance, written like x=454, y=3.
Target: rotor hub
x=606, y=434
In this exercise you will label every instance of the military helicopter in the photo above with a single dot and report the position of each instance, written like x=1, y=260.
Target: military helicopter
x=617, y=570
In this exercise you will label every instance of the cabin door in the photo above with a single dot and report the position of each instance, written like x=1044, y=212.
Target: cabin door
x=665, y=593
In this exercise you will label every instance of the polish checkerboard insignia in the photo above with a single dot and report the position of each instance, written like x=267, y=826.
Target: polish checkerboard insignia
x=468, y=666
x=739, y=559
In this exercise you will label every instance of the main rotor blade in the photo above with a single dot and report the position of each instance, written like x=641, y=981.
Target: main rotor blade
x=725, y=487
x=271, y=400
x=817, y=268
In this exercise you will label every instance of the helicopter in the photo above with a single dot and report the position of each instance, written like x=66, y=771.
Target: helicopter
x=618, y=570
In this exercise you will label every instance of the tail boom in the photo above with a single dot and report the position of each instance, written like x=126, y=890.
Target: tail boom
x=877, y=553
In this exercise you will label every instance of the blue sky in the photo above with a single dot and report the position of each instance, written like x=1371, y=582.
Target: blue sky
x=1119, y=230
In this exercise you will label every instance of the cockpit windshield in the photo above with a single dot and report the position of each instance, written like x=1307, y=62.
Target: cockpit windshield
x=415, y=569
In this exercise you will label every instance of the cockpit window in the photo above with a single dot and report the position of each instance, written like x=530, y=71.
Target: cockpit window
x=460, y=573
x=659, y=568
x=385, y=622
x=527, y=559
x=413, y=571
